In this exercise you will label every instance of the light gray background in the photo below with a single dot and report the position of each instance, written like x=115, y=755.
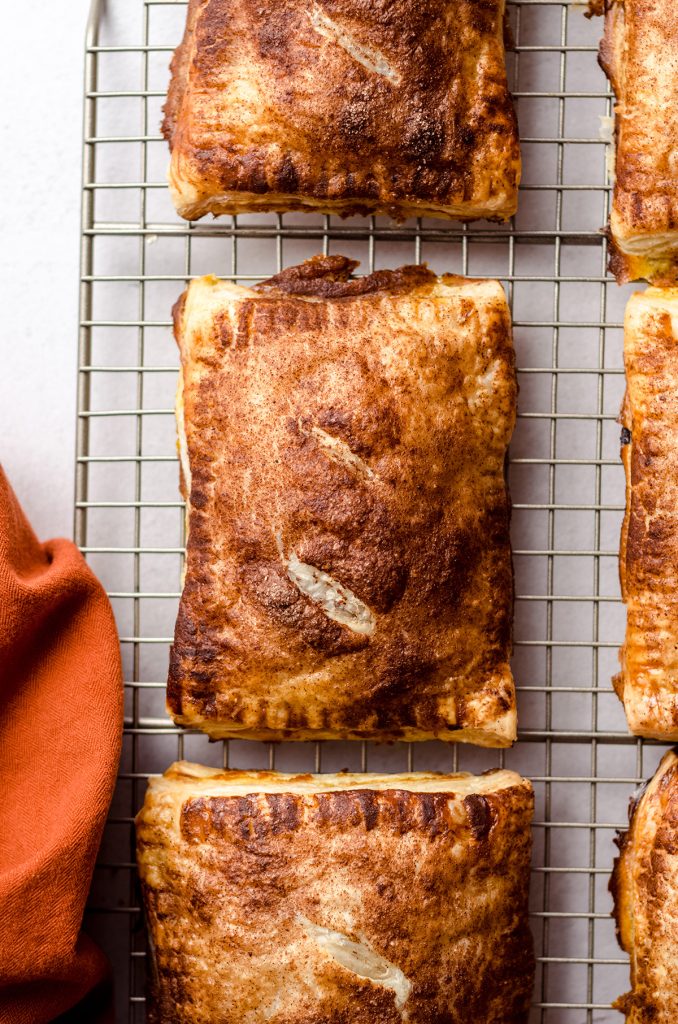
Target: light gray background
x=40, y=141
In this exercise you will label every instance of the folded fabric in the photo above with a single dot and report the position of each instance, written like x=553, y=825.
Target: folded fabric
x=60, y=731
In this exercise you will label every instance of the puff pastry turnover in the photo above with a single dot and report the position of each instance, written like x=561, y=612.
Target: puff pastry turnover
x=351, y=899
x=343, y=106
x=648, y=682
x=645, y=889
x=639, y=53
x=348, y=561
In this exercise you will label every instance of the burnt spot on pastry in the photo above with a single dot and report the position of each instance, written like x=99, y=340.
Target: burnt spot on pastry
x=424, y=138
x=625, y=437
x=287, y=175
x=614, y=885
x=479, y=816
x=196, y=645
x=329, y=277
x=596, y=8
x=317, y=268
x=369, y=808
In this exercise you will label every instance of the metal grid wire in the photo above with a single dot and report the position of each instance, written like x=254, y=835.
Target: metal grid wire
x=565, y=475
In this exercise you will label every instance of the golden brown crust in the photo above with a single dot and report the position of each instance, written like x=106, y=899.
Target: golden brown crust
x=243, y=875
x=348, y=559
x=648, y=682
x=639, y=54
x=343, y=106
x=644, y=885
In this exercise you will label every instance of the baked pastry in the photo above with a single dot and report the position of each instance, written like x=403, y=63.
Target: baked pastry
x=355, y=899
x=639, y=53
x=348, y=560
x=648, y=682
x=343, y=106
x=645, y=889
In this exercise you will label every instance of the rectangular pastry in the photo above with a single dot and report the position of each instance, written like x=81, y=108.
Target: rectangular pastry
x=648, y=682
x=355, y=899
x=645, y=889
x=348, y=564
x=639, y=53
x=343, y=106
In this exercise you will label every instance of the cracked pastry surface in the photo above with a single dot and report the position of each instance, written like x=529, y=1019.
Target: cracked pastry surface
x=648, y=681
x=639, y=53
x=348, y=566
x=355, y=899
x=644, y=885
x=343, y=106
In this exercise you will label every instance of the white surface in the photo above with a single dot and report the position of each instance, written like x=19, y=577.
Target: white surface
x=40, y=141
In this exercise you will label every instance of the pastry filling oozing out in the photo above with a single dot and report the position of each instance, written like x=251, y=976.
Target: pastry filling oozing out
x=370, y=58
x=338, y=451
x=336, y=601
x=361, y=960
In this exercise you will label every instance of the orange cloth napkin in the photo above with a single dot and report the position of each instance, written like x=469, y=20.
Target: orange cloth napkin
x=60, y=733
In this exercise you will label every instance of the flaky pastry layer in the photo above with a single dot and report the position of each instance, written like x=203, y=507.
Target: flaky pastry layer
x=356, y=899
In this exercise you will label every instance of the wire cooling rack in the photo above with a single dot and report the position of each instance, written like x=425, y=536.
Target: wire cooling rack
x=565, y=474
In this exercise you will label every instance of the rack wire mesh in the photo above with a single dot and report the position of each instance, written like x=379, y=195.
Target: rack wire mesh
x=565, y=475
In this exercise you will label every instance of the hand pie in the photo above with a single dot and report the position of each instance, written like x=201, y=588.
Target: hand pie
x=343, y=106
x=645, y=889
x=348, y=563
x=639, y=53
x=648, y=682
x=355, y=899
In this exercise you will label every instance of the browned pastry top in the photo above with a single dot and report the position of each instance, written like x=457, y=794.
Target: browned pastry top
x=639, y=53
x=645, y=889
x=347, y=106
x=336, y=899
x=348, y=561
x=648, y=683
